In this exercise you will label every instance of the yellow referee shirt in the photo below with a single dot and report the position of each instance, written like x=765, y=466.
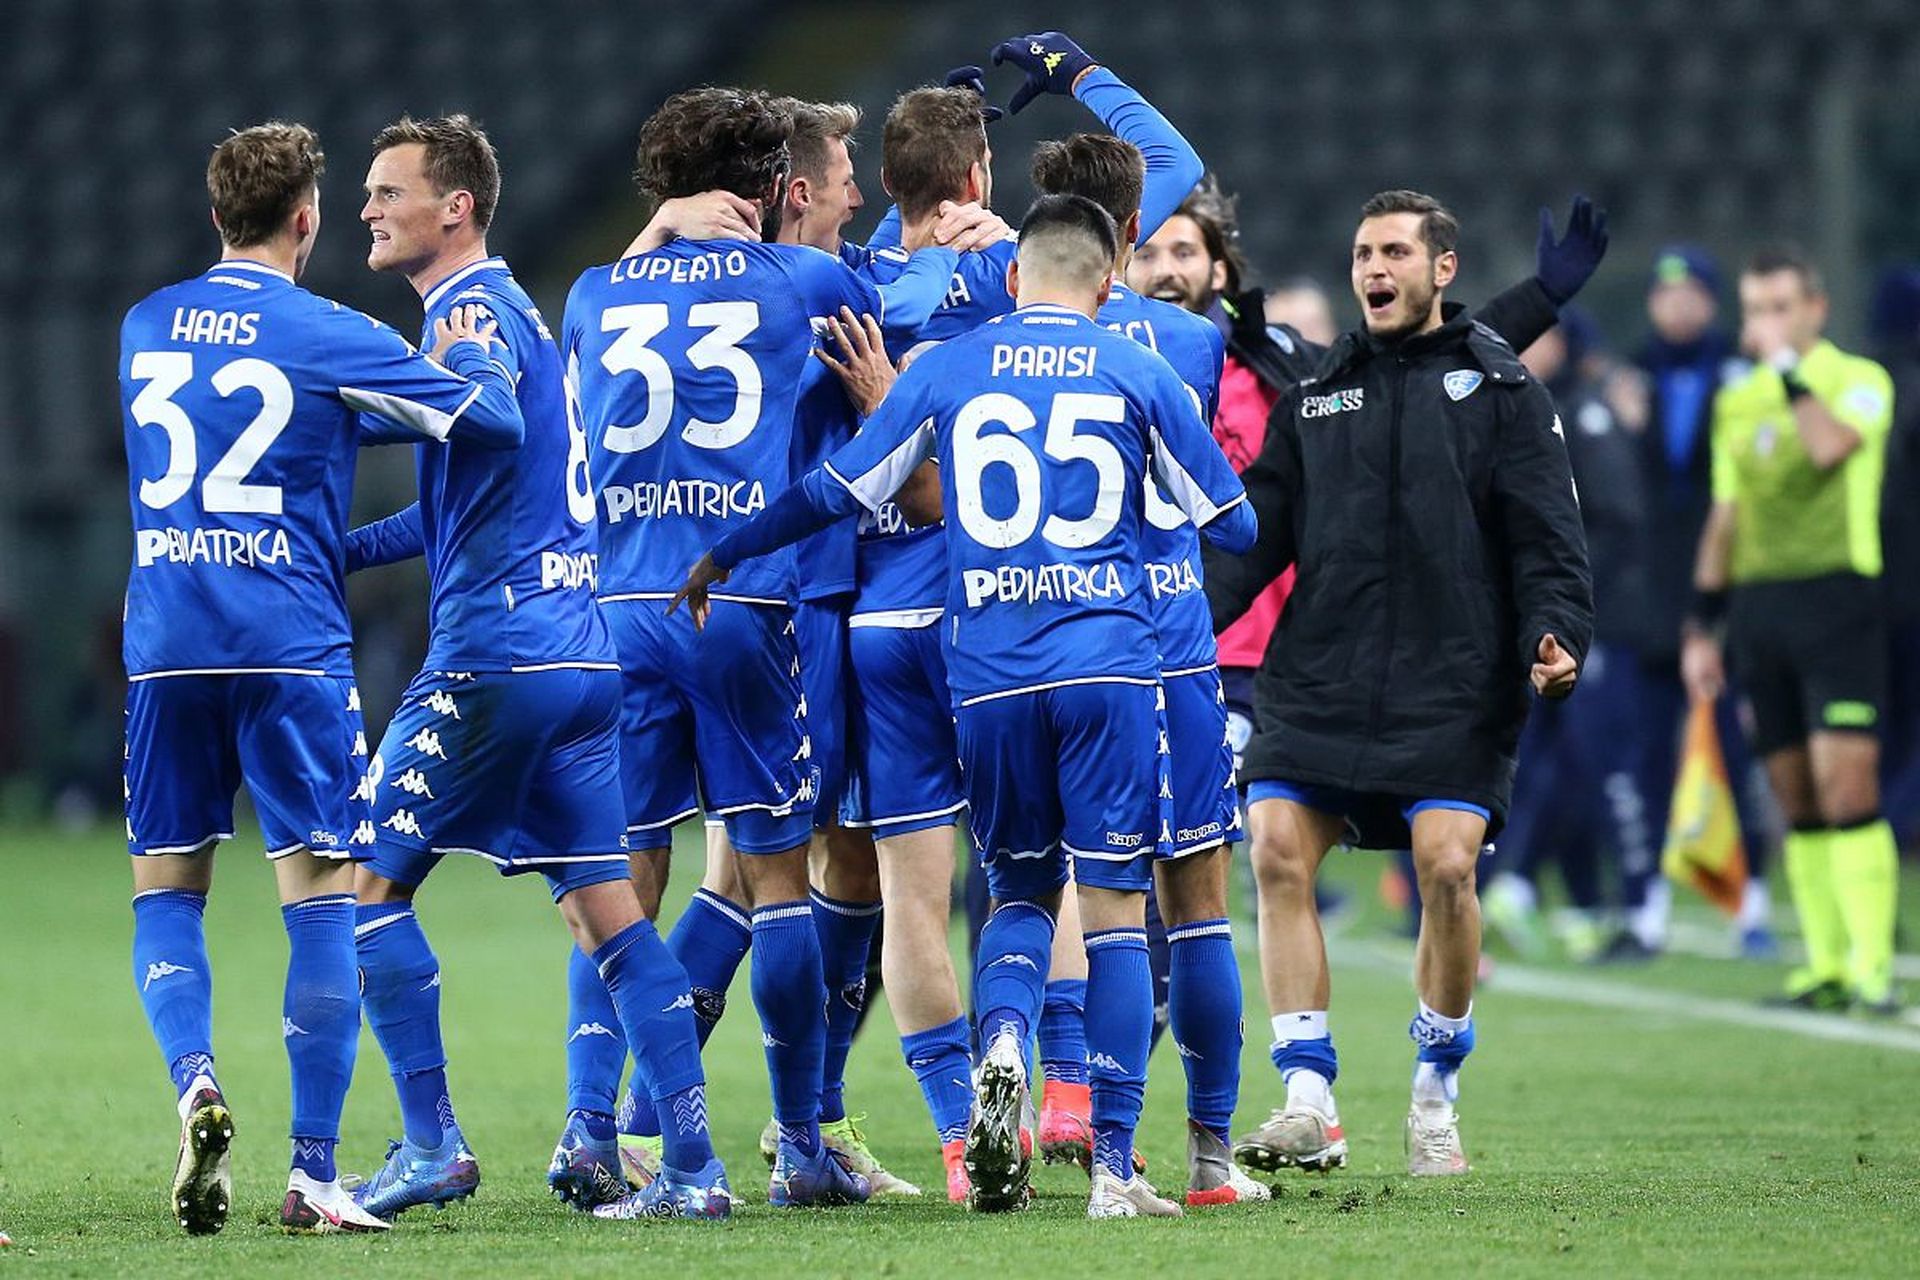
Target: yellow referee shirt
x=1792, y=520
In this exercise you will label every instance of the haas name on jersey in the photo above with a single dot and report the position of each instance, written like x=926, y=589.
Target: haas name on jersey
x=198, y=324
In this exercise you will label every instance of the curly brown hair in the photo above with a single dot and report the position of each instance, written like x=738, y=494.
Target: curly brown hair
x=1107, y=170
x=259, y=176
x=714, y=139
x=458, y=158
x=932, y=137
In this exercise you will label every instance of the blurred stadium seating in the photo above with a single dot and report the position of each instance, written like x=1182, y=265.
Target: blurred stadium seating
x=1723, y=123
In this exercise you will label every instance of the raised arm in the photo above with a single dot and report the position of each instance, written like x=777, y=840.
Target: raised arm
x=464, y=392
x=1562, y=267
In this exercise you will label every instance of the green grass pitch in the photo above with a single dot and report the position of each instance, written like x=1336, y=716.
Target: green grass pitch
x=1606, y=1140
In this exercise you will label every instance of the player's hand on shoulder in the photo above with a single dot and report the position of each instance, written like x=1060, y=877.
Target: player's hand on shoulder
x=862, y=363
x=470, y=323
x=1556, y=672
x=1053, y=63
x=711, y=215
x=693, y=592
x=967, y=227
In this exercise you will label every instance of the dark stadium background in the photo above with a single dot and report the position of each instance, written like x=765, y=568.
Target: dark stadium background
x=1724, y=124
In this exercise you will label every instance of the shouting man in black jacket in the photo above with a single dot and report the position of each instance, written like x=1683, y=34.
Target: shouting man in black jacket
x=1420, y=482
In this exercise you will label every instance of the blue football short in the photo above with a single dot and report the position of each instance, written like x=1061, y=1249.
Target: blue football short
x=713, y=720
x=1374, y=820
x=904, y=772
x=820, y=631
x=1206, y=808
x=296, y=740
x=520, y=768
x=1074, y=770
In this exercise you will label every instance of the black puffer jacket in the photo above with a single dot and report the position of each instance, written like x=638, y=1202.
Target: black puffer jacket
x=1424, y=491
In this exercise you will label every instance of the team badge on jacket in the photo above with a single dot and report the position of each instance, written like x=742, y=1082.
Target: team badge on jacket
x=1461, y=383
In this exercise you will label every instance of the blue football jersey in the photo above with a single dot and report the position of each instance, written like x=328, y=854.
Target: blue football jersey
x=1193, y=346
x=242, y=396
x=509, y=536
x=902, y=571
x=688, y=364
x=1046, y=425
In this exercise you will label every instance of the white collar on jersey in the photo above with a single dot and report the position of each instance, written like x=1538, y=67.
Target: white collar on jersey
x=439, y=291
x=247, y=264
x=1052, y=308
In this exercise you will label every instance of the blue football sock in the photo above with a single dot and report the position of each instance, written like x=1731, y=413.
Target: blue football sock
x=400, y=992
x=846, y=939
x=940, y=1061
x=1119, y=1029
x=649, y=989
x=175, y=982
x=1063, y=1031
x=1443, y=1045
x=596, y=1046
x=314, y=1156
x=1204, y=1008
x=597, y=1125
x=320, y=1020
x=1016, y=944
x=709, y=940
x=790, y=994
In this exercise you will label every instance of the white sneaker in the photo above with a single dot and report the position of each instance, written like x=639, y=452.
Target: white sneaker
x=999, y=1150
x=1212, y=1176
x=323, y=1208
x=202, y=1179
x=1134, y=1198
x=1433, y=1141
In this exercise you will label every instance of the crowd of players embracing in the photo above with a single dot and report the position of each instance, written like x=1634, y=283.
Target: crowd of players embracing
x=837, y=545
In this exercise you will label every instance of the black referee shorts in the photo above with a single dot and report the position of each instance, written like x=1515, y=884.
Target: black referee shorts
x=1811, y=655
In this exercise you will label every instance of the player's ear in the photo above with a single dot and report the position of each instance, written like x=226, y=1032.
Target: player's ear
x=1105, y=291
x=1445, y=268
x=800, y=191
x=1130, y=234
x=459, y=207
x=976, y=184
x=1013, y=279
x=1217, y=282
x=885, y=185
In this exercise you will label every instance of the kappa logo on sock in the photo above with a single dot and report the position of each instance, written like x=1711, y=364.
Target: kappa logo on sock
x=1188, y=1053
x=590, y=1029
x=160, y=969
x=769, y=1041
x=290, y=1029
x=1015, y=958
x=683, y=1001
x=432, y=982
x=1105, y=1062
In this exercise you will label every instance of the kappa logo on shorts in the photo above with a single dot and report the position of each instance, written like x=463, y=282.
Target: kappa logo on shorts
x=161, y=969
x=359, y=743
x=363, y=790
x=440, y=702
x=353, y=697
x=1462, y=383
x=414, y=783
x=318, y=839
x=1125, y=839
x=403, y=821
x=427, y=743
x=364, y=833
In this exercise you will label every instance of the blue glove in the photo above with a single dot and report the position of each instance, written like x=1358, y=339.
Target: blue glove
x=971, y=77
x=1563, y=266
x=1051, y=61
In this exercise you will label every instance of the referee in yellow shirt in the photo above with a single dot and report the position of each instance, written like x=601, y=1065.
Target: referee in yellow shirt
x=1790, y=561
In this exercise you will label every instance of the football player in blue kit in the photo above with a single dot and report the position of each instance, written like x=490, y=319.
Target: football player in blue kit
x=1203, y=998
x=242, y=395
x=904, y=784
x=1052, y=658
x=687, y=362
x=712, y=936
x=506, y=744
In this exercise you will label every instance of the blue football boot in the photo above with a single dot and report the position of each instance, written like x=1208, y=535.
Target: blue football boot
x=414, y=1176
x=585, y=1171
x=673, y=1194
x=823, y=1178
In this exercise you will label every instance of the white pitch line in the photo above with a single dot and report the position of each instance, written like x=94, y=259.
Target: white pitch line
x=1543, y=984
x=1690, y=938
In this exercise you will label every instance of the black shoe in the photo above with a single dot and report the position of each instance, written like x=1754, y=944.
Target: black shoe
x=1889, y=1008
x=1822, y=997
x=1625, y=947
